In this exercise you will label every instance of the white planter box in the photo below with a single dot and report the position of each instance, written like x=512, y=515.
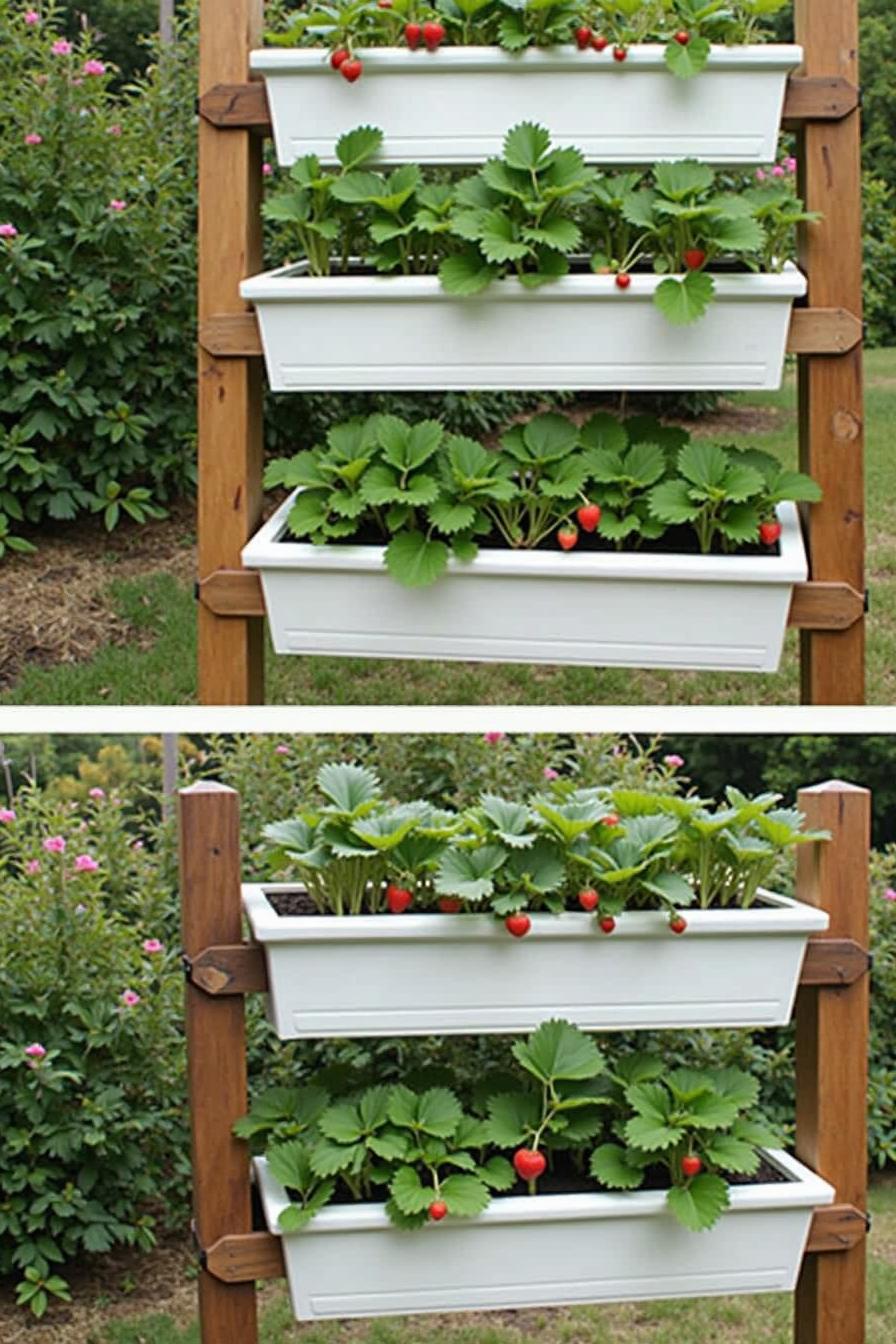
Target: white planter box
x=681, y=611
x=335, y=333
x=414, y=975
x=456, y=106
x=545, y=1250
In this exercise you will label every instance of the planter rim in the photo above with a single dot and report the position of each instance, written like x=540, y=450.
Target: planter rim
x=641, y=56
x=292, y=284
x=267, y=550
x=776, y=915
x=803, y=1190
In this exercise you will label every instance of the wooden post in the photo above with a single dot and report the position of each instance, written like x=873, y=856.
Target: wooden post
x=231, y=652
x=216, y=1052
x=832, y=1060
x=830, y=387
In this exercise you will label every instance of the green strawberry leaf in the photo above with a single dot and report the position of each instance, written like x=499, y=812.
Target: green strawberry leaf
x=700, y=1203
x=415, y=559
x=616, y=1168
x=465, y=1195
x=497, y=1173
x=683, y=302
x=526, y=145
x=450, y=517
x=357, y=146
x=687, y=61
x=671, y=502
x=558, y=1050
x=512, y=1118
x=409, y=1195
x=469, y=873
x=682, y=179
x=466, y=274
x=731, y=1154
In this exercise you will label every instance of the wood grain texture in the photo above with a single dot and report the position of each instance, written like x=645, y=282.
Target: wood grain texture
x=831, y=424
x=245, y=106
x=236, y=968
x=216, y=1052
x=831, y=1059
x=834, y=961
x=231, y=653
x=821, y=331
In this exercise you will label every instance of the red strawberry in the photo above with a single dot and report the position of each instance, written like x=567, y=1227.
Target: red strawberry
x=589, y=517
x=449, y=905
x=583, y=37
x=589, y=899
x=620, y=53
x=678, y=923
x=769, y=532
x=339, y=57
x=623, y=280
x=610, y=819
x=437, y=1210
x=600, y=43
x=694, y=258
x=691, y=1165
x=518, y=925
x=433, y=35
x=398, y=899
x=384, y=4
x=351, y=69
x=682, y=38
x=412, y=35
x=607, y=924
x=567, y=538
x=529, y=1163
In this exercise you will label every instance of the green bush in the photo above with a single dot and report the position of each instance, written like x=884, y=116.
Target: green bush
x=96, y=279
x=93, y=1135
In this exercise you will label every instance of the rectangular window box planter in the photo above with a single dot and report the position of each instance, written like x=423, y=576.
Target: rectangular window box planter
x=604, y=609
x=455, y=107
x=413, y=975
x=546, y=1250
x=397, y=332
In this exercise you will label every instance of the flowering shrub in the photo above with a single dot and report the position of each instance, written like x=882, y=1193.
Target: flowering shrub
x=93, y=1140
x=96, y=279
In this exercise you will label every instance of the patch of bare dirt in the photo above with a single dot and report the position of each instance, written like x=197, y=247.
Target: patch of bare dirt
x=111, y=1287
x=54, y=605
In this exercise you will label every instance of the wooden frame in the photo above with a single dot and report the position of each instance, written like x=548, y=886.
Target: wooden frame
x=822, y=105
x=831, y=1064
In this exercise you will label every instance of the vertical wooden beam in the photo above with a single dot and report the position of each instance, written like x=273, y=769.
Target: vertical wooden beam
x=216, y=1052
x=231, y=652
x=832, y=1060
x=830, y=387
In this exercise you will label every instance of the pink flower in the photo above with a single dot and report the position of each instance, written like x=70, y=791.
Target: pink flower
x=890, y=894
x=550, y=773
x=54, y=844
x=791, y=164
x=32, y=867
x=32, y=18
x=32, y=138
x=493, y=737
x=674, y=762
x=152, y=945
x=85, y=864
x=61, y=47
x=281, y=749
x=7, y=814
x=619, y=750
x=761, y=175
x=266, y=170
x=113, y=130
x=35, y=1050
x=93, y=67
x=8, y=231
x=117, y=205
x=98, y=794
x=130, y=999
x=138, y=844
x=778, y=170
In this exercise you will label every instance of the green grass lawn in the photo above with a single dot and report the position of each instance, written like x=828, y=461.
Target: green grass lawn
x=165, y=673
x=734, y=1320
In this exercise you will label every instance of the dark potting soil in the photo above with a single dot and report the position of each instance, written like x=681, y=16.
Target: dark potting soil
x=300, y=903
x=578, y=265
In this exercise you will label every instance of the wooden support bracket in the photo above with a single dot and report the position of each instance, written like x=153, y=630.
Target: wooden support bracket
x=240, y=107
x=813, y=331
x=815, y=606
x=258, y=1255
x=240, y=968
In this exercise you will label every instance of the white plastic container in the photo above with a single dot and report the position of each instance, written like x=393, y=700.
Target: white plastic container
x=412, y=975
x=456, y=106
x=599, y=609
x=393, y=332
x=545, y=1250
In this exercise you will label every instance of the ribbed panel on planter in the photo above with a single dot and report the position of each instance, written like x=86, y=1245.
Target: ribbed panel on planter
x=399, y=332
x=455, y=106
x=606, y=609
x=411, y=975
x=545, y=1250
